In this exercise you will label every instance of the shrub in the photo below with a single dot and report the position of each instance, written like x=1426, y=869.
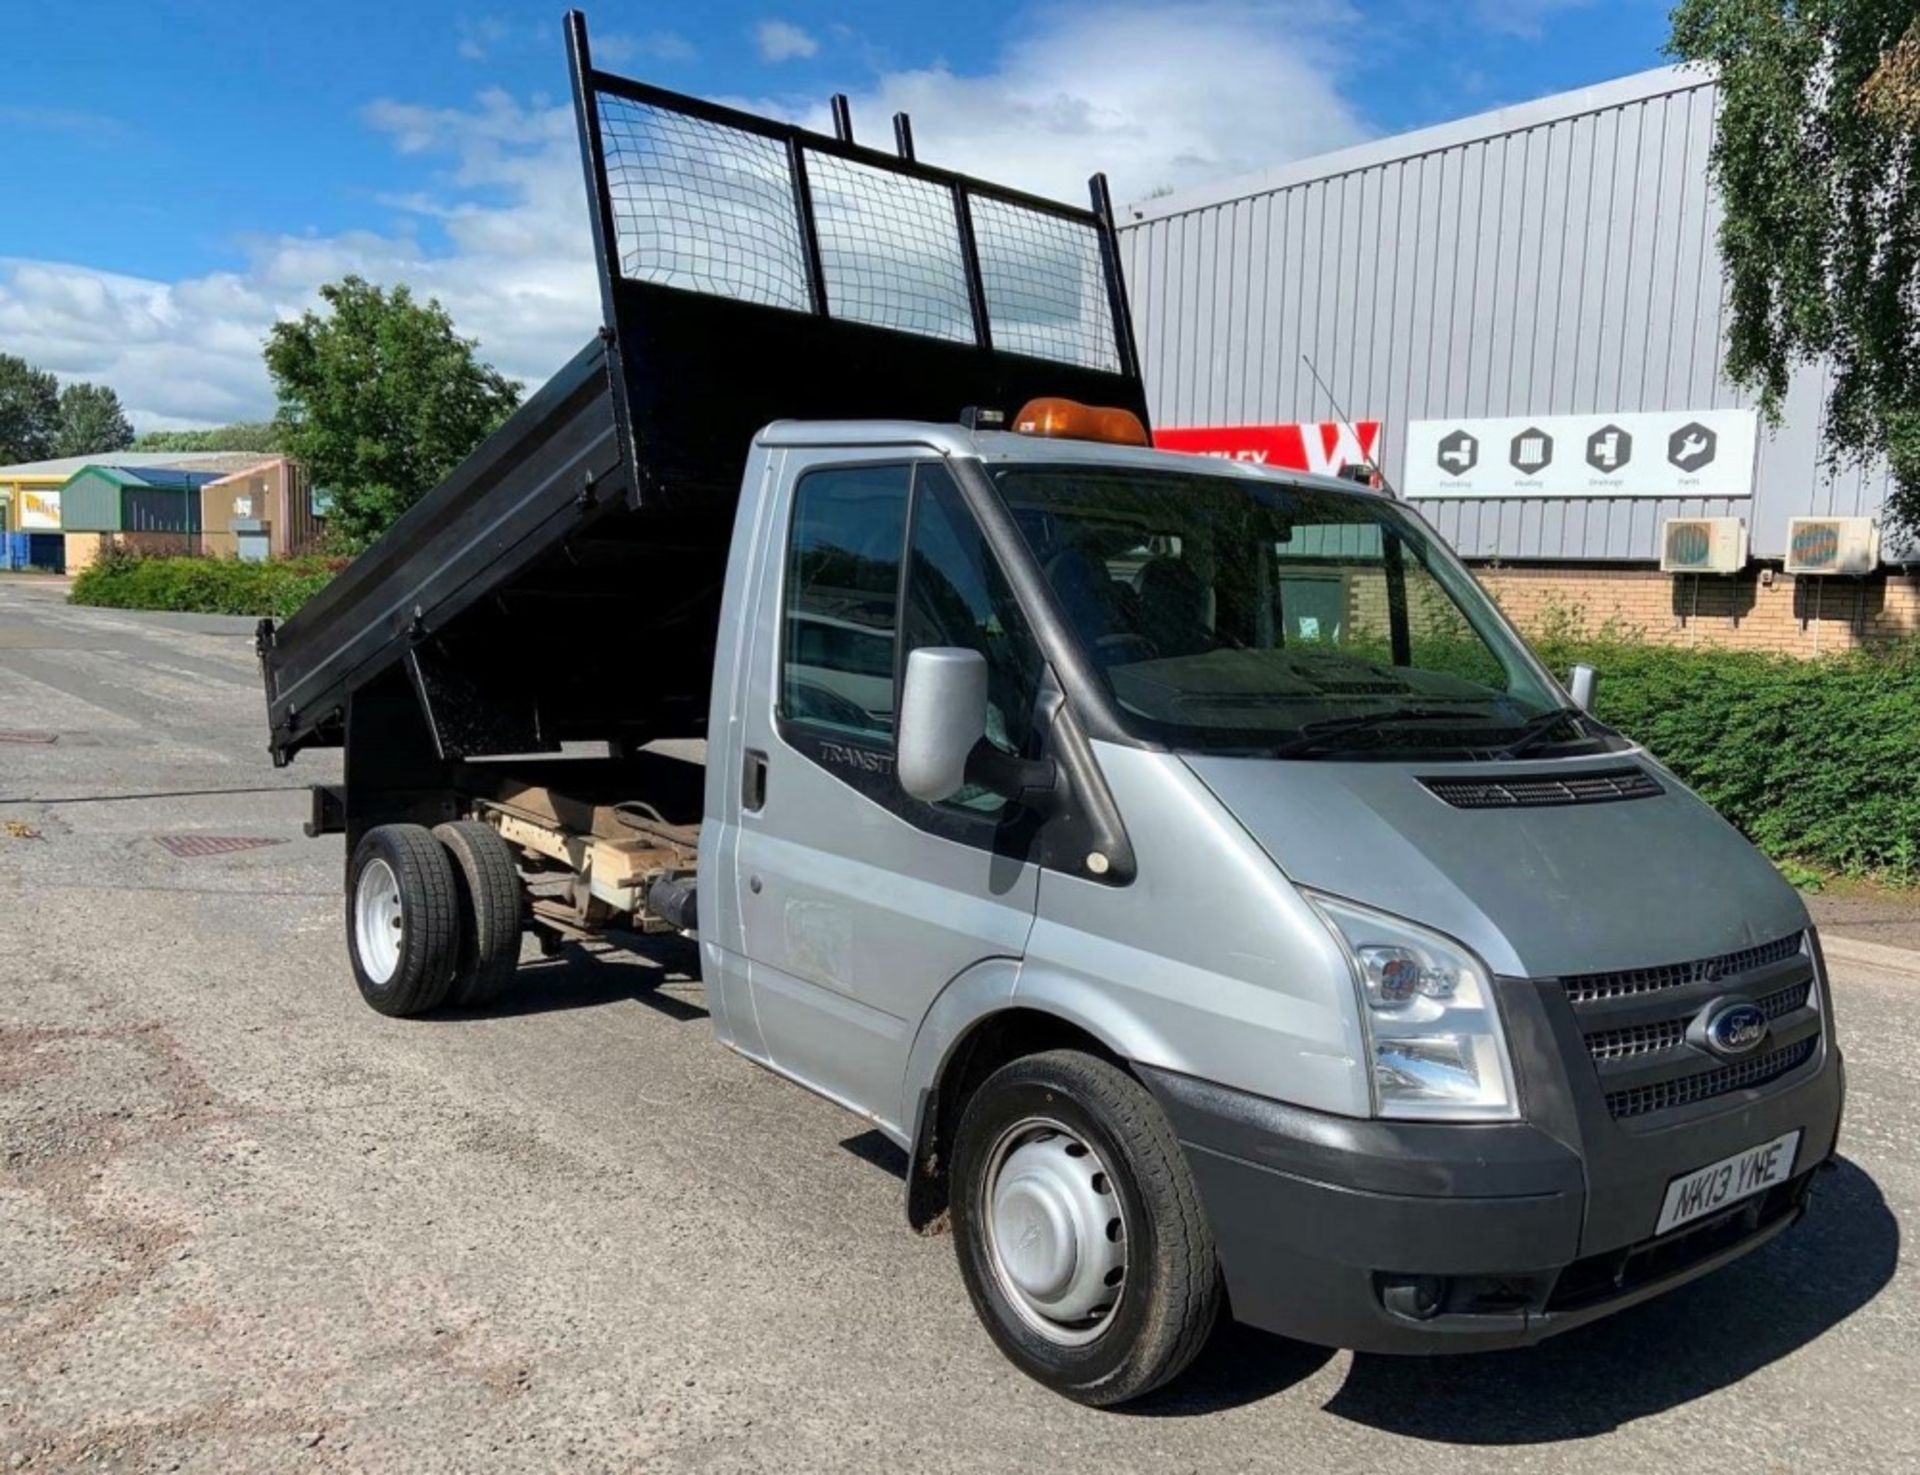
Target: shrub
x=216, y=586
x=1817, y=762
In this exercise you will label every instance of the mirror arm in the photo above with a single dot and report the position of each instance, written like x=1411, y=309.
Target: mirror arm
x=1032, y=782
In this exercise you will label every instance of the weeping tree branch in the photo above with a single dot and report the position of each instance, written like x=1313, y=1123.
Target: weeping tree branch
x=1816, y=156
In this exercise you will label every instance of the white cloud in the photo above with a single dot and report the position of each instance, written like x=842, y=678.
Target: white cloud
x=616, y=47
x=781, y=40
x=1156, y=95
x=495, y=225
x=1524, y=18
x=518, y=276
x=479, y=37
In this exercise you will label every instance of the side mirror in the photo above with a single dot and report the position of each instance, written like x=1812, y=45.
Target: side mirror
x=943, y=714
x=1580, y=686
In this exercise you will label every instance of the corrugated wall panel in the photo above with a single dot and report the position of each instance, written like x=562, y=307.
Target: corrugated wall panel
x=1562, y=267
x=90, y=503
x=161, y=510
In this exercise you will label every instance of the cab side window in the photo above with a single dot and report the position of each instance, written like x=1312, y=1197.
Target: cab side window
x=838, y=654
x=957, y=596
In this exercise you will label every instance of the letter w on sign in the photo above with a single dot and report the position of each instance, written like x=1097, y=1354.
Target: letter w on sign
x=1323, y=447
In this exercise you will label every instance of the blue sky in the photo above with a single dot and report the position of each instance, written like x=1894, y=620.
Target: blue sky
x=175, y=176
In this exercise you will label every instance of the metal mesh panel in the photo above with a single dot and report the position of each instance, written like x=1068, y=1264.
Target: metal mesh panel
x=889, y=249
x=1046, y=285
x=1529, y=793
x=702, y=206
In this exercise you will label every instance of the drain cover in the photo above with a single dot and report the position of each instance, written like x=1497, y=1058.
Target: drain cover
x=190, y=846
x=28, y=737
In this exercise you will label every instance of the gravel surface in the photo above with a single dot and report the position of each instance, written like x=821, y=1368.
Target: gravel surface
x=247, y=1224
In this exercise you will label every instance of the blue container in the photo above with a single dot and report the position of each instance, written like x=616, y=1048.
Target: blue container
x=46, y=551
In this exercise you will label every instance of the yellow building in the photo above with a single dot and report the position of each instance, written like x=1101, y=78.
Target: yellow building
x=30, y=514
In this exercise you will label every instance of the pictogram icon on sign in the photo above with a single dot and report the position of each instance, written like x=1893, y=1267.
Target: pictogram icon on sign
x=1692, y=446
x=1532, y=451
x=1609, y=448
x=1459, y=452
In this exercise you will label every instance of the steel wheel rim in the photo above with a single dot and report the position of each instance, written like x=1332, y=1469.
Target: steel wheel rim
x=379, y=922
x=1056, y=1232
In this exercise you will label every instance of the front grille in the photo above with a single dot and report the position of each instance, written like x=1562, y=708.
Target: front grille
x=1670, y=1034
x=1637, y=1025
x=1586, y=988
x=1641, y=1039
x=1605, y=787
x=1779, y=1005
x=1704, y=1085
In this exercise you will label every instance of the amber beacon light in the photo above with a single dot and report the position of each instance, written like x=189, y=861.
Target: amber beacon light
x=1067, y=419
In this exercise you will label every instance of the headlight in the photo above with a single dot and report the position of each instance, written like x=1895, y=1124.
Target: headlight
x=1426, y=1005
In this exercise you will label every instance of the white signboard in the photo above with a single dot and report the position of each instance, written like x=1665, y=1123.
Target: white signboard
x=1671, y=453
x=40, y=510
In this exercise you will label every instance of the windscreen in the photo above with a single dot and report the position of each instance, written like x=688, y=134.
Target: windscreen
x=1230, y=615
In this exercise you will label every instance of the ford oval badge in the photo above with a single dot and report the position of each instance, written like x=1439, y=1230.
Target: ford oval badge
x=1736, y=1029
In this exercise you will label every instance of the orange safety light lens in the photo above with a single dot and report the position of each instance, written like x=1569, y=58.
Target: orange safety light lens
x=1068, y=419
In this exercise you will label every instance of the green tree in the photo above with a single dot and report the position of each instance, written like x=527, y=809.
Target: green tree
x=381, y=399
x=260, y=436
x=1817, y=158
x=91, y=421
x=29, y=411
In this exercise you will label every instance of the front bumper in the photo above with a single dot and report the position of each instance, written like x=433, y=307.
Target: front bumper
x=1419, y=1238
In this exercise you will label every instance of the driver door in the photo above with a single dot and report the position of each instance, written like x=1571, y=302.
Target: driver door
x=858, y=903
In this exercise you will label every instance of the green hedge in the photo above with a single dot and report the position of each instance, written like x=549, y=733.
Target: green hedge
x=216, y=586
x=1817, y=761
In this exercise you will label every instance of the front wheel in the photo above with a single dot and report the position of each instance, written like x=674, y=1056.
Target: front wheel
x=1080, y=1233
x=402, y=918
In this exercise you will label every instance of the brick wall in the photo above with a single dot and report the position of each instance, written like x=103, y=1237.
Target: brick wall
x=1800, y=617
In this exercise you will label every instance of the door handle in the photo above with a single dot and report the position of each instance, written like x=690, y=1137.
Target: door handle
x=753, y=781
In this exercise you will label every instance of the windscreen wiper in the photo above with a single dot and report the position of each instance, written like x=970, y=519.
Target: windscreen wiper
x=1319, y=734
x=1536, y=730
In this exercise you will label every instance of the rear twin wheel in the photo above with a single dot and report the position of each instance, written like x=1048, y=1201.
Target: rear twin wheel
x=433, y=916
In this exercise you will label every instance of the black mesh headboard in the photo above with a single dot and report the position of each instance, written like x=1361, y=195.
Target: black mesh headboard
x=754, y=271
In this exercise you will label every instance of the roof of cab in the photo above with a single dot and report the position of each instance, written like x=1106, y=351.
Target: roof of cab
x=1001, y=447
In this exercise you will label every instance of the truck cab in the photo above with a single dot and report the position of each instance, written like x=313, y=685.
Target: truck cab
x=1184, y=862
x=1252, y=793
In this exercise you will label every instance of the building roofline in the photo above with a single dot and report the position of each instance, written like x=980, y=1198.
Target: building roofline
x=1557, y=108
x=64, y=466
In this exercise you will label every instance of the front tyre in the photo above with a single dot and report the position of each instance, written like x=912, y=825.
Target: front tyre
x=1080, y=1233
x=402, y=920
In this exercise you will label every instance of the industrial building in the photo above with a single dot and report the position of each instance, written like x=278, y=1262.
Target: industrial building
x=264, y=511
x=60, y=515
x=1521, y=317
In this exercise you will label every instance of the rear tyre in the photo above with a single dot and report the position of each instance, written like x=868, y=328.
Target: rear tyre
x=492, y=911
x=1080, y=1233
x=401, y=920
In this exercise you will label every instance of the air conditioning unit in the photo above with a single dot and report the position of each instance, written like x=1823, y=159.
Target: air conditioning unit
x=1832, y=545
x=1703, y=545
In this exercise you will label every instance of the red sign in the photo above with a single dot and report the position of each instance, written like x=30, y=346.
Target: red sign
x=1322, y=448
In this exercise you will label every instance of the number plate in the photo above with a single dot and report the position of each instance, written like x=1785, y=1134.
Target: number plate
x=1704, y=1190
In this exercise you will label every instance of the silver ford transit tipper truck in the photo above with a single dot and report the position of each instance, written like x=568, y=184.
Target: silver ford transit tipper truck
x=1185, y=863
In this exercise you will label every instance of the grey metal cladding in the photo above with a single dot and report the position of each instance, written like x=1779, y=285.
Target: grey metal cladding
x=1553, y=258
